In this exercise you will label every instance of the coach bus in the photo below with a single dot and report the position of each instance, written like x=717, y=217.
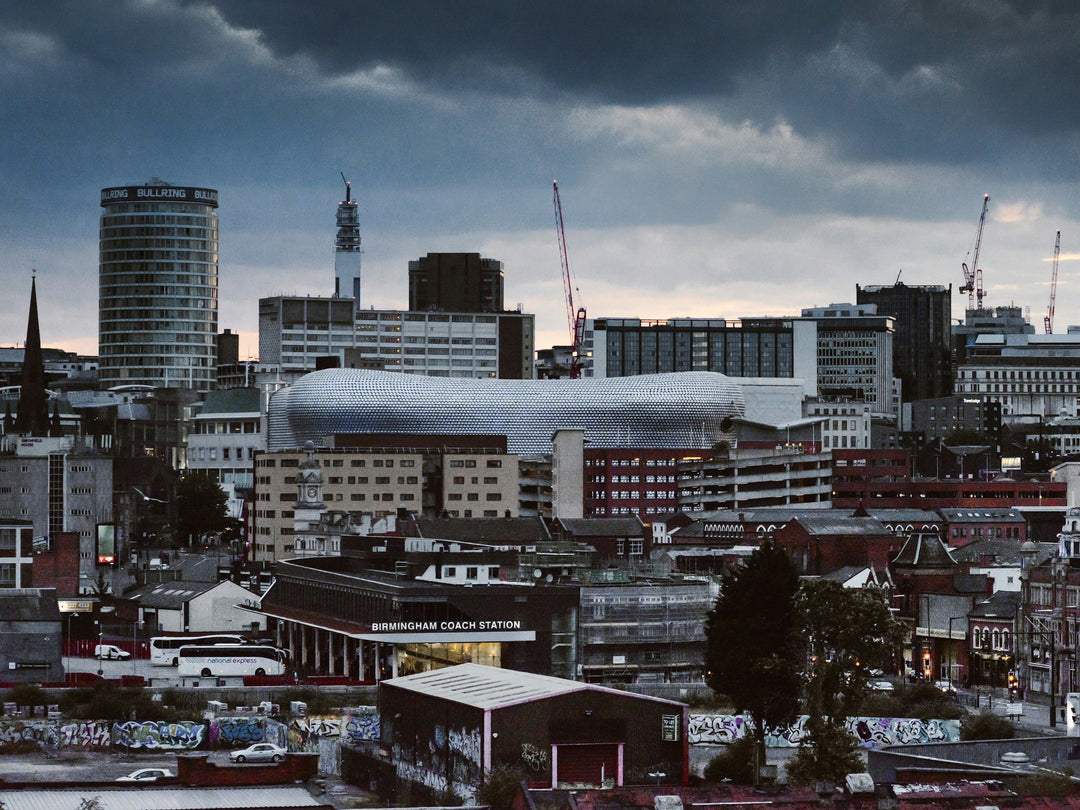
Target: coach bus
x=221, y=660
x=164, y=650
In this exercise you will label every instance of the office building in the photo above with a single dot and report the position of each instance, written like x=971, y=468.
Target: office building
x=347, y=249
x=997, y=321
x=158, y=286
x=1036, y=375
x=302, y=334
x=922, y=343
x=379, y=475
x=751, y=347
x=455, y=282
x=58, y=486
x=224, y=437
x=854, y=355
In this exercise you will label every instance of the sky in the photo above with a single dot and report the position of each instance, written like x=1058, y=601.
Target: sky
x=714, y=159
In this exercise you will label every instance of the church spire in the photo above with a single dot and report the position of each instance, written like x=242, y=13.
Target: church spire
x=32, y=417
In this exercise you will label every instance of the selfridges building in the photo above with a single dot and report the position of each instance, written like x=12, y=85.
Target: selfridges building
x=684, y=409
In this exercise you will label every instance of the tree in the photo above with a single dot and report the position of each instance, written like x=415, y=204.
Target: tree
x=847, y=631
x=752, y=650
x=200, y=506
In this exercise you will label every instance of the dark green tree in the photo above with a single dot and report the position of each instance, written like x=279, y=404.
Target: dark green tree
x=753, y=646
x=846, y=631
x=201, y=506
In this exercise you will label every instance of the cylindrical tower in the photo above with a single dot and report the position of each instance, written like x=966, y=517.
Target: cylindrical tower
x=158, y=286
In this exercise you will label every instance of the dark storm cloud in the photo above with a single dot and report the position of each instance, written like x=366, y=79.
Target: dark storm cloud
x=940, y=81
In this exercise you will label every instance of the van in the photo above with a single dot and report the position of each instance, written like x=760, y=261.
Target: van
x=157, y=565
x=110, y=652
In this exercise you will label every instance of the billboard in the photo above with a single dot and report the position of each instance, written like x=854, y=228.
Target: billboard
x=106, y=544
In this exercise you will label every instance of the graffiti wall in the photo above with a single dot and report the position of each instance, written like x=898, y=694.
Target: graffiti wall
x=24, y=735
x=85, y=735
x=154, y=735
x=872, y=732
x=236, y=732
x=362, y=727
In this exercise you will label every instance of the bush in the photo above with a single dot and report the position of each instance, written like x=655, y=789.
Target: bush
x=106, y=702
x=735, y=763
x=924, y=701
x=28, y=694
x=501, y=787
x=830, y=754
x=986, y=726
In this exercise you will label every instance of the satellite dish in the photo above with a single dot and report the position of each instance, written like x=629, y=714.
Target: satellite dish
x=549, y=578
x=537, y=573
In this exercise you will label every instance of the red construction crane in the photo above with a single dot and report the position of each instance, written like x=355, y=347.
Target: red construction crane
x=973, y=283
x=576, y=320
x=1048, y=321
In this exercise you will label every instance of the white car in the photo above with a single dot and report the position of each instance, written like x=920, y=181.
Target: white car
x=110, y=652
x=880, y=686
x=259, y=752
x=147, y=775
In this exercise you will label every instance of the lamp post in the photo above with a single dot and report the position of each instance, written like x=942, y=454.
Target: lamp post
x=135, y=627
x=100, y=636
x=67, y=665
x=952, y=649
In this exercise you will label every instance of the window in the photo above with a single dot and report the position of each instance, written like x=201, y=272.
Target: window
x=494, y=496
x=471, y=572
x=494, y=462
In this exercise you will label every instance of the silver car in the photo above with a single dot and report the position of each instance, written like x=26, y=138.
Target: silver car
x=259, y=752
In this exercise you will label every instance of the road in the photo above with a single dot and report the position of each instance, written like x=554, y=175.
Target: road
x=155, y=676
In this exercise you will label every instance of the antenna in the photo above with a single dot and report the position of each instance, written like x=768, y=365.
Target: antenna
x=348, y=188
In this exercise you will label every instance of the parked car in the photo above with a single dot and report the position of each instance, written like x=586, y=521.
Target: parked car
x=147, y=775
x=259, y=752
x=880, y=686
x=110, y=652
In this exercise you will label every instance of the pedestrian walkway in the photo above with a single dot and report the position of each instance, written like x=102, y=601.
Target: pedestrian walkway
x=1031, y=716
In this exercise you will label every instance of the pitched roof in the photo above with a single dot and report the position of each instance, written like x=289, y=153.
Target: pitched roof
x=171, y=595
x=924, y=550
x=491, y=687
x=480, y=530
x=602, y=527
x=834, y=523
x=29, y=605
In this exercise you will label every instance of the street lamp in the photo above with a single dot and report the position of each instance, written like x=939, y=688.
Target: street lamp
x=135, y=627
x=71, y=616
x=952, y=649
x=100, y=636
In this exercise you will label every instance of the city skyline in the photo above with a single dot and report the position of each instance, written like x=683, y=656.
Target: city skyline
x=713, y=161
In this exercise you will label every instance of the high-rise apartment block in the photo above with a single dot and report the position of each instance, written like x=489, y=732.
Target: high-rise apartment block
x=456, y=282
x=922, y=356
x=158, y=286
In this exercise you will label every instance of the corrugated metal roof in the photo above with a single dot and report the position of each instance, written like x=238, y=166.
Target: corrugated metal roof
x=165, y=798
x=171, y=595
x=491, y=688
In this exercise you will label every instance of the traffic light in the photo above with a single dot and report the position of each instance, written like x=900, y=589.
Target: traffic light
x=927, y=668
